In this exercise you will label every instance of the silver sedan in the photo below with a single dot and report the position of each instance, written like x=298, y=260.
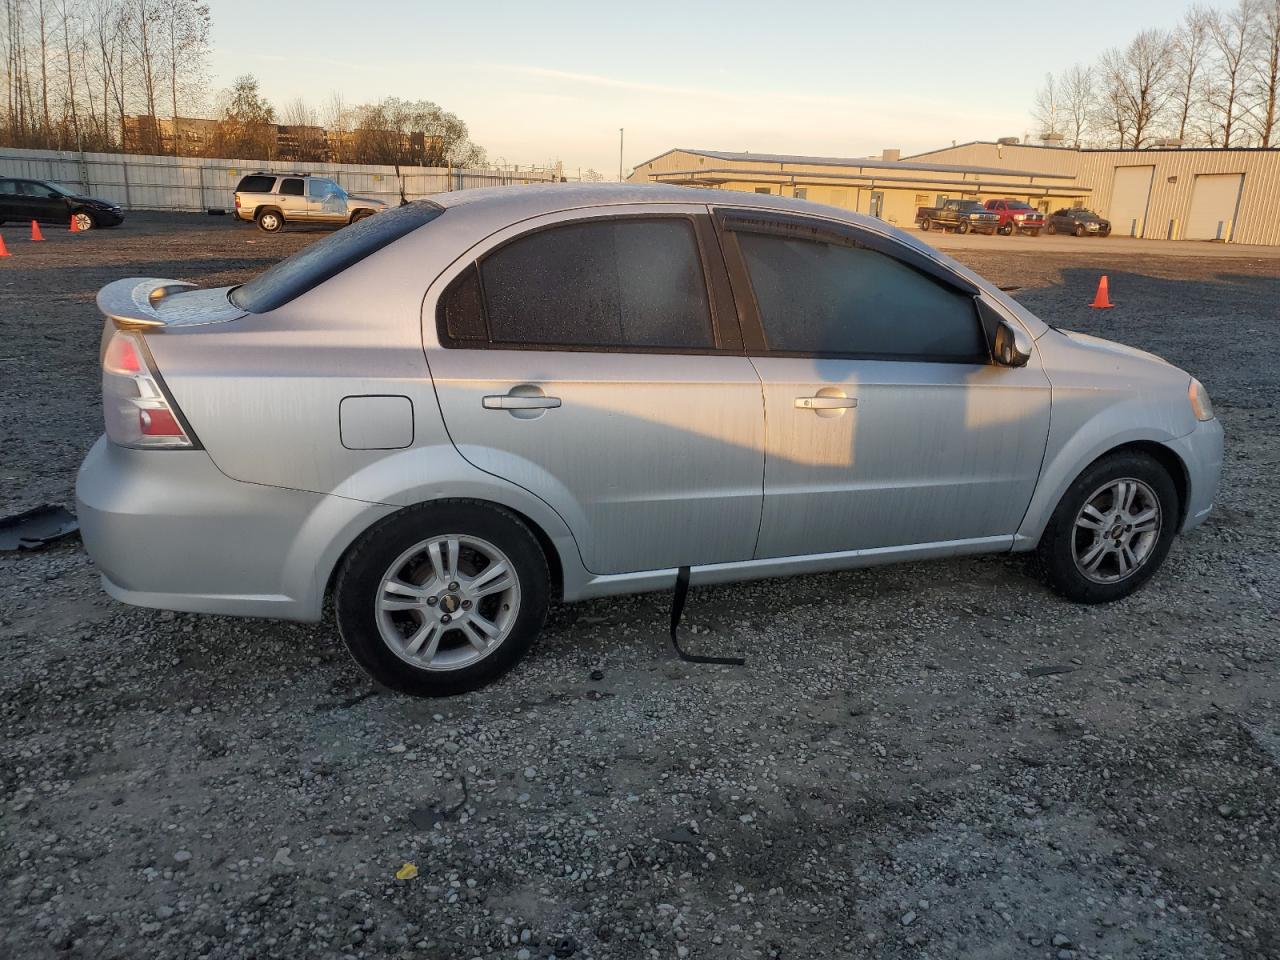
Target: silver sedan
x=447, y=415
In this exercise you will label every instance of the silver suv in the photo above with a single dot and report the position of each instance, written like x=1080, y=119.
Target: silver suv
x=450, y=414
x=273, y=199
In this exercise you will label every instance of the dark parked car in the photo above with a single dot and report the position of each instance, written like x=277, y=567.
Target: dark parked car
x=22, y=199
x=1079, y=221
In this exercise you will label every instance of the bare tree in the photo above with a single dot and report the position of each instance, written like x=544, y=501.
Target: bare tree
x=1079, y=103
x=1233, y=34
x=186, y=26
x=305, y=136
x=1192, y=42
x=338, y=128
x=1046, y=111
x=1264, y=82
x=1136, y=87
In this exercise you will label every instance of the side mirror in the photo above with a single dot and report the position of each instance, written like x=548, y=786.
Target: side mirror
x=1011, y=345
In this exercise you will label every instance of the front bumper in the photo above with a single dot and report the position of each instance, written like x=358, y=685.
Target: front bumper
x=1201, y=454
x=167, y=529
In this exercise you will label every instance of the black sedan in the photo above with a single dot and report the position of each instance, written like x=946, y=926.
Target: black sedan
x=22, y=199
x=1078, y=221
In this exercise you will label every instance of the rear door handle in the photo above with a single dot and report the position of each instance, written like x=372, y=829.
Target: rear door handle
x=825, y=403
x=507, y=402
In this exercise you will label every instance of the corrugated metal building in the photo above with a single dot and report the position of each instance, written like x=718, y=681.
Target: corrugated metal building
x=1230, y=195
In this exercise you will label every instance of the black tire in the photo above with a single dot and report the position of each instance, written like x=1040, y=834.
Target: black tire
x=1007, y=230
x=1079, y=230
x=926, y=224
x=361, y=215
x=1050, y=228
x=1055, y=555
x=361, y=575
x=270, y=220
x=962, y=227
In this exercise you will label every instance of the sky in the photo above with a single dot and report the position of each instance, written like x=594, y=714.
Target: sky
x=555, y=80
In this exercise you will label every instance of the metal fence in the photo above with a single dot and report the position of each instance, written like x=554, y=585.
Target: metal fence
x=196, y=183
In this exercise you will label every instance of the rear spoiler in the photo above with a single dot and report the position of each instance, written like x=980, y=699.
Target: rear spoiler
x=132, y=302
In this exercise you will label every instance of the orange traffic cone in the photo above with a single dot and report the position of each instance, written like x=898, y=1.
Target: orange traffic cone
x=1100, y=299
x=35, y=231
x=75, y=226
x=4, y=251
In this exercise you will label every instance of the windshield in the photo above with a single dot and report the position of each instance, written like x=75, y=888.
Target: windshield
x=327, y=258
x=1086, y=215
x=1018, y=205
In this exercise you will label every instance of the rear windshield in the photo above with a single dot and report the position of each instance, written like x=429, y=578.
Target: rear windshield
x=255, y=184
x=327, y=258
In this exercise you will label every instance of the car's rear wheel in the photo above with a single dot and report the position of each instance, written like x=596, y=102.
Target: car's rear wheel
x=442, y=598
x=926, y=224
x=1111, y=530
x=83, y=220
x=270, y=221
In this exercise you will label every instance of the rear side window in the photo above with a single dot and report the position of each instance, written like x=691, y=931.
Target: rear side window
x=255, y=183
x=824, y=298
x=291, y=187
x=607, y=284
x=326, y=258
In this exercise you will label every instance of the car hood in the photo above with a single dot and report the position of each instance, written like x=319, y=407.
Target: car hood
x=1110, y=346
x=363, y=199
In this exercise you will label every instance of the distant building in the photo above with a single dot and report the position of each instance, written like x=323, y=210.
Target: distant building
x=1167, y=193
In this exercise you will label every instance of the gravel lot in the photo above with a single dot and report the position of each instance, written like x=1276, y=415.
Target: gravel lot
x=930, y=761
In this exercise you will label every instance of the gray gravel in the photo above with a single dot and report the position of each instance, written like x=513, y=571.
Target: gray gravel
x=894, y=774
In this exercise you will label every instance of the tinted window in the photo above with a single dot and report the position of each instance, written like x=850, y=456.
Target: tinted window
x=291, y=187
x=828, y=298
x=608, y=283
x=328, y=257
x=461, y=314
x=8, y=187
x=255, y=184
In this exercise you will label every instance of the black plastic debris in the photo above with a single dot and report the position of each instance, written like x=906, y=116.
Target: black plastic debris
x=37, y=528
x=566, y=947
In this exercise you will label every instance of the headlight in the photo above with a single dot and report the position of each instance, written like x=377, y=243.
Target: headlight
x=1019, y=216
x=974, y=216
x=1201, y=405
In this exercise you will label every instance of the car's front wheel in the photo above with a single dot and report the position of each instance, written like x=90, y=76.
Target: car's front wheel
x=83, y=221
x=1050, y=229
x=962, y=227
x=442, y=598
x=1111, y=530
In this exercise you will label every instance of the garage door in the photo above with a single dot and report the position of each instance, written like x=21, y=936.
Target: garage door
x=1129, y=198
x=1214, y=200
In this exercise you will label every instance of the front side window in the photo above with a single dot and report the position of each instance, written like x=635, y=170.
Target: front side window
x=609, y=284
x=829, y=298
x=319, y=189
x=291, y=187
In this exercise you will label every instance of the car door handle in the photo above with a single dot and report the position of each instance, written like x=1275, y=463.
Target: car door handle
x=507, y=402
x=825, y=403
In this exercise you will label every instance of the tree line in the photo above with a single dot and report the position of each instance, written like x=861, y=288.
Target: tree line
x=1211, y=81
x=130, y=76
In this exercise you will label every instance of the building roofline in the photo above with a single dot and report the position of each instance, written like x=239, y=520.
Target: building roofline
x=1041, y=146
x=867, y=163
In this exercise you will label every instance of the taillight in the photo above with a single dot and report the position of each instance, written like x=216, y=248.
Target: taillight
x=135, y=408
x=237, y=201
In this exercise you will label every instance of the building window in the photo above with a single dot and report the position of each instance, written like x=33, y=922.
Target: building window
x=922, y=199
x=764, y=190
x=802, y=193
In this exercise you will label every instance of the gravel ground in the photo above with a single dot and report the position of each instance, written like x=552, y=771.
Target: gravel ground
x=929, y=761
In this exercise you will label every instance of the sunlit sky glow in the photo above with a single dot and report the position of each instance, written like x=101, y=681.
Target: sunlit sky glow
x=555, y=81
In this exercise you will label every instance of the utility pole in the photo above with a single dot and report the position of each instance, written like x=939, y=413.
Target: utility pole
x=620, y=154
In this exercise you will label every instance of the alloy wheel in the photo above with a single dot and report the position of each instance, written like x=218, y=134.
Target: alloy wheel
x=83, y=221
x=448, y=602
x=1116, y=530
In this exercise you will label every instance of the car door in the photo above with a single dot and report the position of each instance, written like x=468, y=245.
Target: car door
x=12, y=203
x=293, y=200
x=594, y=358
x=43, y=202
x=887, y=424
x=326, y=201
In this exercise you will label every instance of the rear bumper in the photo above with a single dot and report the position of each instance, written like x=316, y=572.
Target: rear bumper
x=167, y=529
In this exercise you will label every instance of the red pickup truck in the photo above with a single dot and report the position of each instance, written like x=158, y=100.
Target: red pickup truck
x=1017, y=217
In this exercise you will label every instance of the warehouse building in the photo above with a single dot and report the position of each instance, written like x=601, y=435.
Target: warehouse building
x=1177, y=194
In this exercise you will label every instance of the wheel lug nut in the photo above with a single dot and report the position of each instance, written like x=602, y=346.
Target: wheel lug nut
x=454, y=585
x=466, y=604
x=432, y=601
x=445, y=618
